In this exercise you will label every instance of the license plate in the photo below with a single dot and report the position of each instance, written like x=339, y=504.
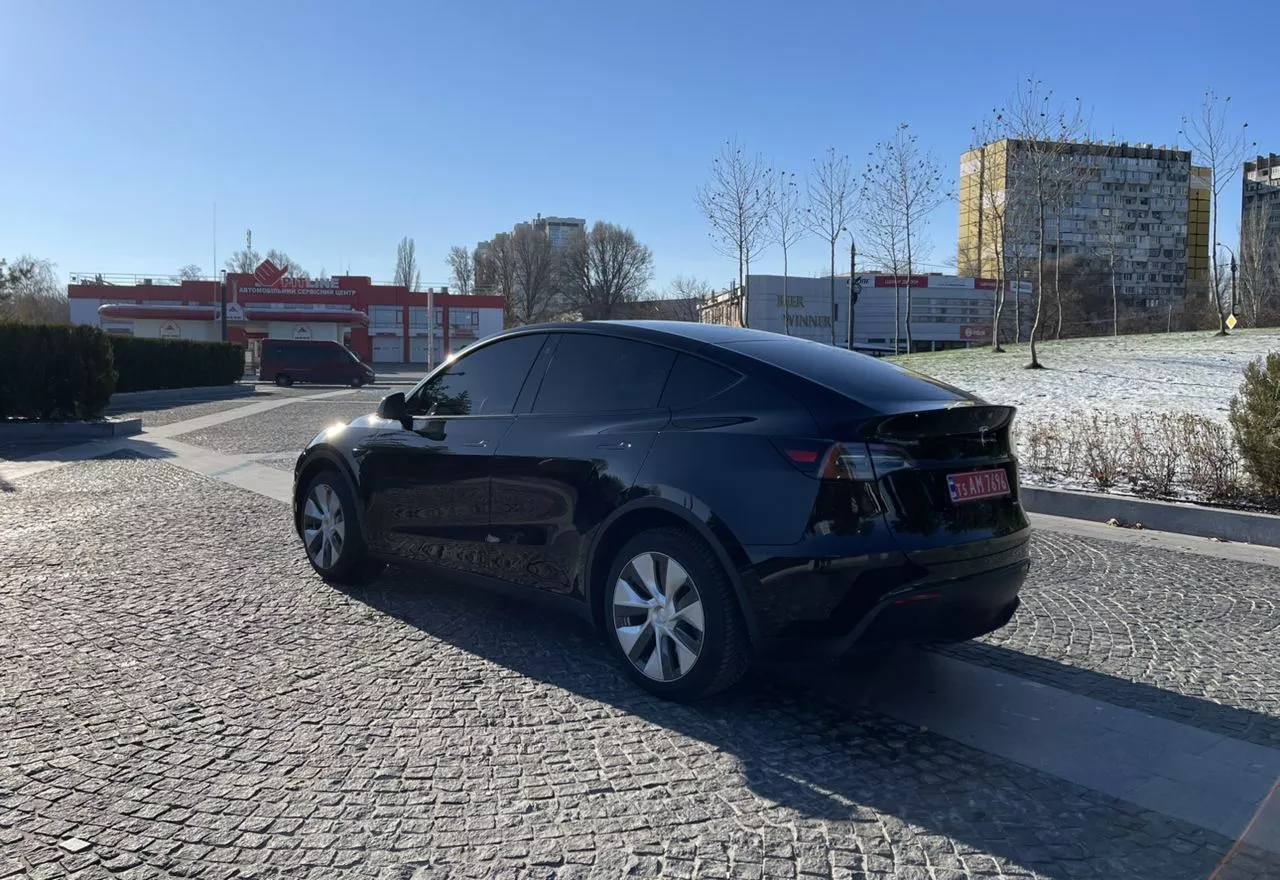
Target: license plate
x=977, y=485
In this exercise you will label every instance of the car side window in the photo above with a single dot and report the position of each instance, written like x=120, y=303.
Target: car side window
x=593, y=373
x=485, y=381
x=694, y=380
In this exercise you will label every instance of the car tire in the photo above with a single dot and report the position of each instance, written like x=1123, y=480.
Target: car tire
x=668, y=647
x=357, y=381
x=347, y=560
x=284, y=380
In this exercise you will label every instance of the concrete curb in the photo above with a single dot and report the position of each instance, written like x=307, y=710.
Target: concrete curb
x=1164, y=516
x=203, y=392
x=67, y=432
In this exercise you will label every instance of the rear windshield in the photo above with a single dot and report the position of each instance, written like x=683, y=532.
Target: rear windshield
x=862, y=378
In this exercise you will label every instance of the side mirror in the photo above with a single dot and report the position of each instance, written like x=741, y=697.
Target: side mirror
x=393, y=408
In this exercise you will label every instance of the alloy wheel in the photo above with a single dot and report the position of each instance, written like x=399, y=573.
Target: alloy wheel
x=658, y=616
x=324, y=526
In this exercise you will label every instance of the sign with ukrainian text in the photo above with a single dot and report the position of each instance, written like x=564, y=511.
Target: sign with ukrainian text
x=270, y=281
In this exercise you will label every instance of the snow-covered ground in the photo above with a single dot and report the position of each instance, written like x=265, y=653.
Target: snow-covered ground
x=1168, y=372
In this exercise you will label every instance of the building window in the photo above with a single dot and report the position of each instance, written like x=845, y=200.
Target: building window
x=464, y=317
x=385, y=314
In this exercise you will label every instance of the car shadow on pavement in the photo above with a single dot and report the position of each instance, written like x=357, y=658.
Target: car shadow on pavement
x=1241, y=724
x=802, y=751
x=165, y=398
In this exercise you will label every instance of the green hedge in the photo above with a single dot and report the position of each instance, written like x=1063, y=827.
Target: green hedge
x=145, y=364
x=1255, y=416
x=54, y=372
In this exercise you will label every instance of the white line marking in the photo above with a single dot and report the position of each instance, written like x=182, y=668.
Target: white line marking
x=230, y=469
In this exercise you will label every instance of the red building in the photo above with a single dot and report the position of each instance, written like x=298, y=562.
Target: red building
x=381, y=323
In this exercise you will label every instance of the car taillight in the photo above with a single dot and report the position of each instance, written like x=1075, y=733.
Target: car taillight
x=869, y=461
x=859, y=462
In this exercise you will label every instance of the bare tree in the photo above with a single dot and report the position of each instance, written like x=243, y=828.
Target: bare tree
x=407, y=273
x=246, y=259
x=1061, y=194
x=535, y=274
x=833, y=198
x=496, y=265
x=1113, y=242
x=35, y=293
x=10, y=278
x=1041, y=130
x=1220, y=147
x=882, y=235
x=991, y=215
x=462, y=269
x=787, y=226
x=190, y=272
x=902, y=186
x=688, y=287
x=736, y=201
x=686, y=295
x=292, y=269
x=606, y=269
x=1259, y=262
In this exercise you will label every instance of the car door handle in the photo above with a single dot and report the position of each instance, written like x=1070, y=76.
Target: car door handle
x=621, y=444
x=477, y=444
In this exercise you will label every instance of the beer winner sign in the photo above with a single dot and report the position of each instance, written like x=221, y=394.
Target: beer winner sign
x=792, y=307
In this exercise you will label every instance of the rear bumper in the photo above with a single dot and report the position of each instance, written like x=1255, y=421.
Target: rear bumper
x=933, y=596
x=947, y=611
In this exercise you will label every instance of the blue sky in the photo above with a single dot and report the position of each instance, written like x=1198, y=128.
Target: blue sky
x=334, y=128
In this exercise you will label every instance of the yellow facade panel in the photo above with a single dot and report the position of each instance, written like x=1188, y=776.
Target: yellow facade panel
x=1200, y=184
x=981, y=178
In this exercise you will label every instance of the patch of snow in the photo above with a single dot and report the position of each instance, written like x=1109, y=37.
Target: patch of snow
x=1167, y=372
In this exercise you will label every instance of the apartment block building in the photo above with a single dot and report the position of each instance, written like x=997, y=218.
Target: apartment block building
x=1139, y=211
x=1260, y=216
x=560, y=230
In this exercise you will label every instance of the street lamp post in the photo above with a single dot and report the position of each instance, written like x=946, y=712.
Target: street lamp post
x=1232, y=306
x=1233, y=282
x=222, y=298
x=853, y=288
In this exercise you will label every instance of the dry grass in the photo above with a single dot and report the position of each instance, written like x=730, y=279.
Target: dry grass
x=1157, y=455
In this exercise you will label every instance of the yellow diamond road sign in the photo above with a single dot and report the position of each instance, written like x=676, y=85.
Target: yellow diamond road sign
x=1232, y=322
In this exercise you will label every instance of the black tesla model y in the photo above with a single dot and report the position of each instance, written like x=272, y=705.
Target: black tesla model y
x=704, y=494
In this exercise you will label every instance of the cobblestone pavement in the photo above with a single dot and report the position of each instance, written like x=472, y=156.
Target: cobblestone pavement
x=1195, y=641
x=180, y=691
x=287, y=428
